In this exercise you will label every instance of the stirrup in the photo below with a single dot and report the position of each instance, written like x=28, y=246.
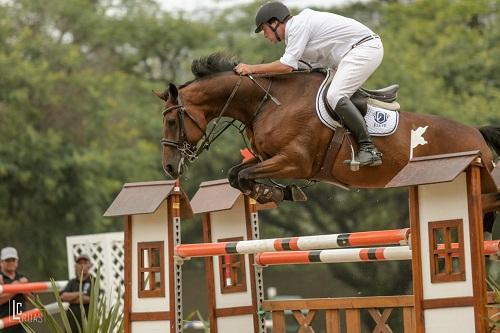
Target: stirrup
x=375, y=159
x=353, y=163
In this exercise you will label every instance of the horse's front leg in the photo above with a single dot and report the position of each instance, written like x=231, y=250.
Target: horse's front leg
x=280, y=167
x=232, y=175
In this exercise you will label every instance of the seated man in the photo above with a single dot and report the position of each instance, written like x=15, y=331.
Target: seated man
x=11, y=304
x=332, y=41
x=71, y=292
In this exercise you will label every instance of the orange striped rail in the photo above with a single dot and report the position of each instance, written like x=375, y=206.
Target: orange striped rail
x=352, y=255
x=331, y=241
x=30, y=287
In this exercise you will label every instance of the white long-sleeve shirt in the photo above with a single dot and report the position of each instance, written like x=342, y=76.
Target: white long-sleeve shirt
x=320, y=38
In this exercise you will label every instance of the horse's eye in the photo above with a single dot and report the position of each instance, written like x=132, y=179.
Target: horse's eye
x=171, y=122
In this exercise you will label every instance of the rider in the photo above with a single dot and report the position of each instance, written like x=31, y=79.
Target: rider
x=329, y=40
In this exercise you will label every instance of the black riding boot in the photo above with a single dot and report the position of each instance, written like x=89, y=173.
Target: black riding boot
x=367, y=152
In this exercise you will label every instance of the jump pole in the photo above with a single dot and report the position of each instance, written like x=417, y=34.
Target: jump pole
x=331, y=241
x=33, y=287
x=390, y=253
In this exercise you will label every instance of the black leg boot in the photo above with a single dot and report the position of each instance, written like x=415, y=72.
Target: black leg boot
x=368, y=155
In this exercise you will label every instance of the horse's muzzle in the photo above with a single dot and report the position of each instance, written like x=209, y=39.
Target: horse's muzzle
x=171, y=171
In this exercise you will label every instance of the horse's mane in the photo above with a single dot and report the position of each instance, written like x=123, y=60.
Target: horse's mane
x=219, y=62
x=212, y=64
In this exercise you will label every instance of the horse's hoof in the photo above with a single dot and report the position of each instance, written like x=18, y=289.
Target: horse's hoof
x=294, y=193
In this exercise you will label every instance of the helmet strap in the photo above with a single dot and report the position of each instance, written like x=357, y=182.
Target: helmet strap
x=275, y=30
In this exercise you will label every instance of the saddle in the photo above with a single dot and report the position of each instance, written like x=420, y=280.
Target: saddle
x=378, y=107
x=384, y=98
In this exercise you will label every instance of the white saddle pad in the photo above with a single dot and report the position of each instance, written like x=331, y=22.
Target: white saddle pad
x=380, y=121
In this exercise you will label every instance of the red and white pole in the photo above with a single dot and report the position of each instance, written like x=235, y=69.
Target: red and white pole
x=30, y=287
x=352, y=255
x=331, y=241
x=333, y=256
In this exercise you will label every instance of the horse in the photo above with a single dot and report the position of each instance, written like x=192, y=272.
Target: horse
x=286, y=136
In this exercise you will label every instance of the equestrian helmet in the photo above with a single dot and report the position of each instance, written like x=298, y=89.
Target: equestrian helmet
x=268, y=11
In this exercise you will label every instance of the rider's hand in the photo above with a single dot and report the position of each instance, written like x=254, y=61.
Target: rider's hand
x=243, y=69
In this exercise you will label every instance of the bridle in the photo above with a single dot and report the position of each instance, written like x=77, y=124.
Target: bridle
x=186, y=149
x=189, y=151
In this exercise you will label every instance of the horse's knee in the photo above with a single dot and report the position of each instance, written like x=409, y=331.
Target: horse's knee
x=245, y=185
x=232, y=176
x=243, y=176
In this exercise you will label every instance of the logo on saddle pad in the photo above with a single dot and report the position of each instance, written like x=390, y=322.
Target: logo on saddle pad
x=381, y=117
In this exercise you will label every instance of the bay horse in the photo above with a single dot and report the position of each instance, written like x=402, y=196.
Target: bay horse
x=288, y=140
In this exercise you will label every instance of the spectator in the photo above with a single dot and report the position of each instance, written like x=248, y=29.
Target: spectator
x=71, y=292
x=11, y=304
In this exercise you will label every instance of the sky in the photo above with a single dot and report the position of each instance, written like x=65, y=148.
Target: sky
x=197, y=5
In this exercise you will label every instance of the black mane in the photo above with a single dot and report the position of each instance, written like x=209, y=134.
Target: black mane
x=212, y=64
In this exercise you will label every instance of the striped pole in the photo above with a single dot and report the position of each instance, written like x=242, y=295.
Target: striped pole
x=31, y=315
x=33, y=287
x=352, y=255
x=334, y=256
x=331, y=241
x=492, y=247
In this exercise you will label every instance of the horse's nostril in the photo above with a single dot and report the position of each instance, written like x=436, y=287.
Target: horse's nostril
x=170, y=168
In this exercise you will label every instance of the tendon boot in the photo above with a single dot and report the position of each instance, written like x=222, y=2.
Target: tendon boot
x=264, y=193
x=368, y=155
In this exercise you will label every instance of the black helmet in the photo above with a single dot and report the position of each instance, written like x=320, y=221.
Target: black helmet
x=269, y=11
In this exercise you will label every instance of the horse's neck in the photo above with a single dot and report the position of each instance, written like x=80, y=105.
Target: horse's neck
x=212, y=95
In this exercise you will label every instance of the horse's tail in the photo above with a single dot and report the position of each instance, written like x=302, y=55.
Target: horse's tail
x=491, y=135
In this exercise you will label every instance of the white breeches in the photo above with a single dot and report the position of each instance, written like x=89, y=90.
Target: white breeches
x=354, y=69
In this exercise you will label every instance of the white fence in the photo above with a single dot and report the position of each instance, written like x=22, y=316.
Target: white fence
x=106, y=251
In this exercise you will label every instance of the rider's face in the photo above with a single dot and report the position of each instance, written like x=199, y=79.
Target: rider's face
x=269, y=33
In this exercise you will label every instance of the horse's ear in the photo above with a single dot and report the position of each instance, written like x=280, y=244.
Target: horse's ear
x=173, y=92
x=161, y=95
